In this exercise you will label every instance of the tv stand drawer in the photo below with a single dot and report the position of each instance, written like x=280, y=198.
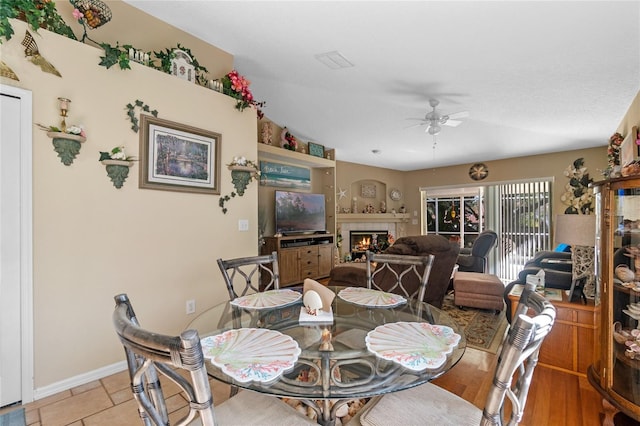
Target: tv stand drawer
x=301, y=257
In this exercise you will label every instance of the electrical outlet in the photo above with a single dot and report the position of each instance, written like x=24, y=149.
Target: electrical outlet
x=243, y=225
x=191, y=306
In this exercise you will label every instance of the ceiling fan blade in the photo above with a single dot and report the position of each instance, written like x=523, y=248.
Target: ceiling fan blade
x=415, y=125
x=452, y=123
x=461, y=114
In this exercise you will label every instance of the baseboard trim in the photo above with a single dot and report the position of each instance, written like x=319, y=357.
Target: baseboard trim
x=78, y=380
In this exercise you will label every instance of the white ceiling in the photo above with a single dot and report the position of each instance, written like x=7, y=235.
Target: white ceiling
x=536, y=77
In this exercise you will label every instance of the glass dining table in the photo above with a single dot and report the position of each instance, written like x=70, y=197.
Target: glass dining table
x=365, y=351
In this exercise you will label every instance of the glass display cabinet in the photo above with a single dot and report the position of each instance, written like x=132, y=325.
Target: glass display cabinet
x=616, y=372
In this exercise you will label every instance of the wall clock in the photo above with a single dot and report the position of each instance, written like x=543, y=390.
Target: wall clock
x=368, y=190
x=478, y=171
x=395, y=194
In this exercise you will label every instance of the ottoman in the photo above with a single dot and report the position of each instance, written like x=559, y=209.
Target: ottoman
x=476, y=290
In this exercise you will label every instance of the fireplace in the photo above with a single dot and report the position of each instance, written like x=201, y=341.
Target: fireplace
x=361, y=241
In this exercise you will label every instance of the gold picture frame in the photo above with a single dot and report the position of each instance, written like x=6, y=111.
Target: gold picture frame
x=177, y=157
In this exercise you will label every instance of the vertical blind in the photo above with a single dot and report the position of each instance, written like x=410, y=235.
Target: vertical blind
x=524, y=224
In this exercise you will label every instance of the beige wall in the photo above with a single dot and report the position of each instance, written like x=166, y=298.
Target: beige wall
x=549, y=165
x=631, y=118
x=530, y=167
x=129, y=25
x=349, y=175
x=91, y=240
x=629, y=150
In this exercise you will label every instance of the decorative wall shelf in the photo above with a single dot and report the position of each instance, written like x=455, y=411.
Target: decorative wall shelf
x=67, y=145
x=372, y=217
x=272, y=152
x=241, y=176
x=118, y=171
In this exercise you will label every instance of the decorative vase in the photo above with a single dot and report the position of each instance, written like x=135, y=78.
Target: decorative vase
x=118, y=171
x=266, y=133
x=67, y=145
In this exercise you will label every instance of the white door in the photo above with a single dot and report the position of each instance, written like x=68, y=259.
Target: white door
x=15, y=256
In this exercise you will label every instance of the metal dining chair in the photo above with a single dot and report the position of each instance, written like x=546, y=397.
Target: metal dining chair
x=152, y=355
x=257, y=273
x=400, y=274
x=430, y=404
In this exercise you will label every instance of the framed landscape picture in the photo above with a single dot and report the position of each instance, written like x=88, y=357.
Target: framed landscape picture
x=177, y=157
x=316, y=150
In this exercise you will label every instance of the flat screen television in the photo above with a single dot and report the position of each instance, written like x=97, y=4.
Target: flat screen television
x=300, y=212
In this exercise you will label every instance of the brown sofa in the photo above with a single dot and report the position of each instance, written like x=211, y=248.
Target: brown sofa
x=444, y=251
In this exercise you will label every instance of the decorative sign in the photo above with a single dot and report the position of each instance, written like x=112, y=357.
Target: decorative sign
x=284, y=176
x=316, y=150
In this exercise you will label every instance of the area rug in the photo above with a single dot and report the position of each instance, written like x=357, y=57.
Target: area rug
x=13, y=418
x=483, y=329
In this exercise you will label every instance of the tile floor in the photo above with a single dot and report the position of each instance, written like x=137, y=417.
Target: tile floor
x=107, y=401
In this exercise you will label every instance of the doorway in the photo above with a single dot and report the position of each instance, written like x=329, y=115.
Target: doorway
x=16, y=283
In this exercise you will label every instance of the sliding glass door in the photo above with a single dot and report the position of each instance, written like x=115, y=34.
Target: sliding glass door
x=519, y=212
x=456, y=217
x=524, y=223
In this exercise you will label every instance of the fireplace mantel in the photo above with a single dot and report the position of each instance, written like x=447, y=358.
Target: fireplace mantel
x=372, y=217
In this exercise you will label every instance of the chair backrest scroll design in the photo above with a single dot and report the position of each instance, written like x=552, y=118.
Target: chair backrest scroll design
x=245, y=272
x=401, y=268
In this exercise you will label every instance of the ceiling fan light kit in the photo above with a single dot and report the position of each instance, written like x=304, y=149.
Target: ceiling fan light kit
x=434, y=119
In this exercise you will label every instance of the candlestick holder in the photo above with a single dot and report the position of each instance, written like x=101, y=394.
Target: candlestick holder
x=64, y=108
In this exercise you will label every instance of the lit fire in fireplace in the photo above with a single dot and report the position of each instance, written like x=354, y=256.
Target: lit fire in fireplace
x=363, y=244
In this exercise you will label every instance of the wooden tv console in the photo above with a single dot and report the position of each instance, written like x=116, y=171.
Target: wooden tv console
x=301, y=256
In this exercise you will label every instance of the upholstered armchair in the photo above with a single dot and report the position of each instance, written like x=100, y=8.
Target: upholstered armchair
x=474, y=259
x=445, y=255
x=557, y=272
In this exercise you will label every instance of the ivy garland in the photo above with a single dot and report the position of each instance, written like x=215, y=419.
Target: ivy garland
x=120, y=55
x=224, y=200
x=132, y=115
x=115, y=55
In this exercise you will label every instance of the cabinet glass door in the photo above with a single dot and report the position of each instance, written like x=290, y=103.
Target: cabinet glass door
x=624, y=253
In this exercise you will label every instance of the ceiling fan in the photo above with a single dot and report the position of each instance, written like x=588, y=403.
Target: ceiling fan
x=434, y=119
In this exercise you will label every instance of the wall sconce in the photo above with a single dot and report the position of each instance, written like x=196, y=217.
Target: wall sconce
x=117, y=170
x=243, y=172
x=241, y=176
x=64, y=108
x=66, y=140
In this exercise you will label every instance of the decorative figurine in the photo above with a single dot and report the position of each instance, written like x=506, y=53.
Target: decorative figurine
x=266, y=134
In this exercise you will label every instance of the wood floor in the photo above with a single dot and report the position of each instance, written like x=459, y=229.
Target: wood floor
x=555, y=398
